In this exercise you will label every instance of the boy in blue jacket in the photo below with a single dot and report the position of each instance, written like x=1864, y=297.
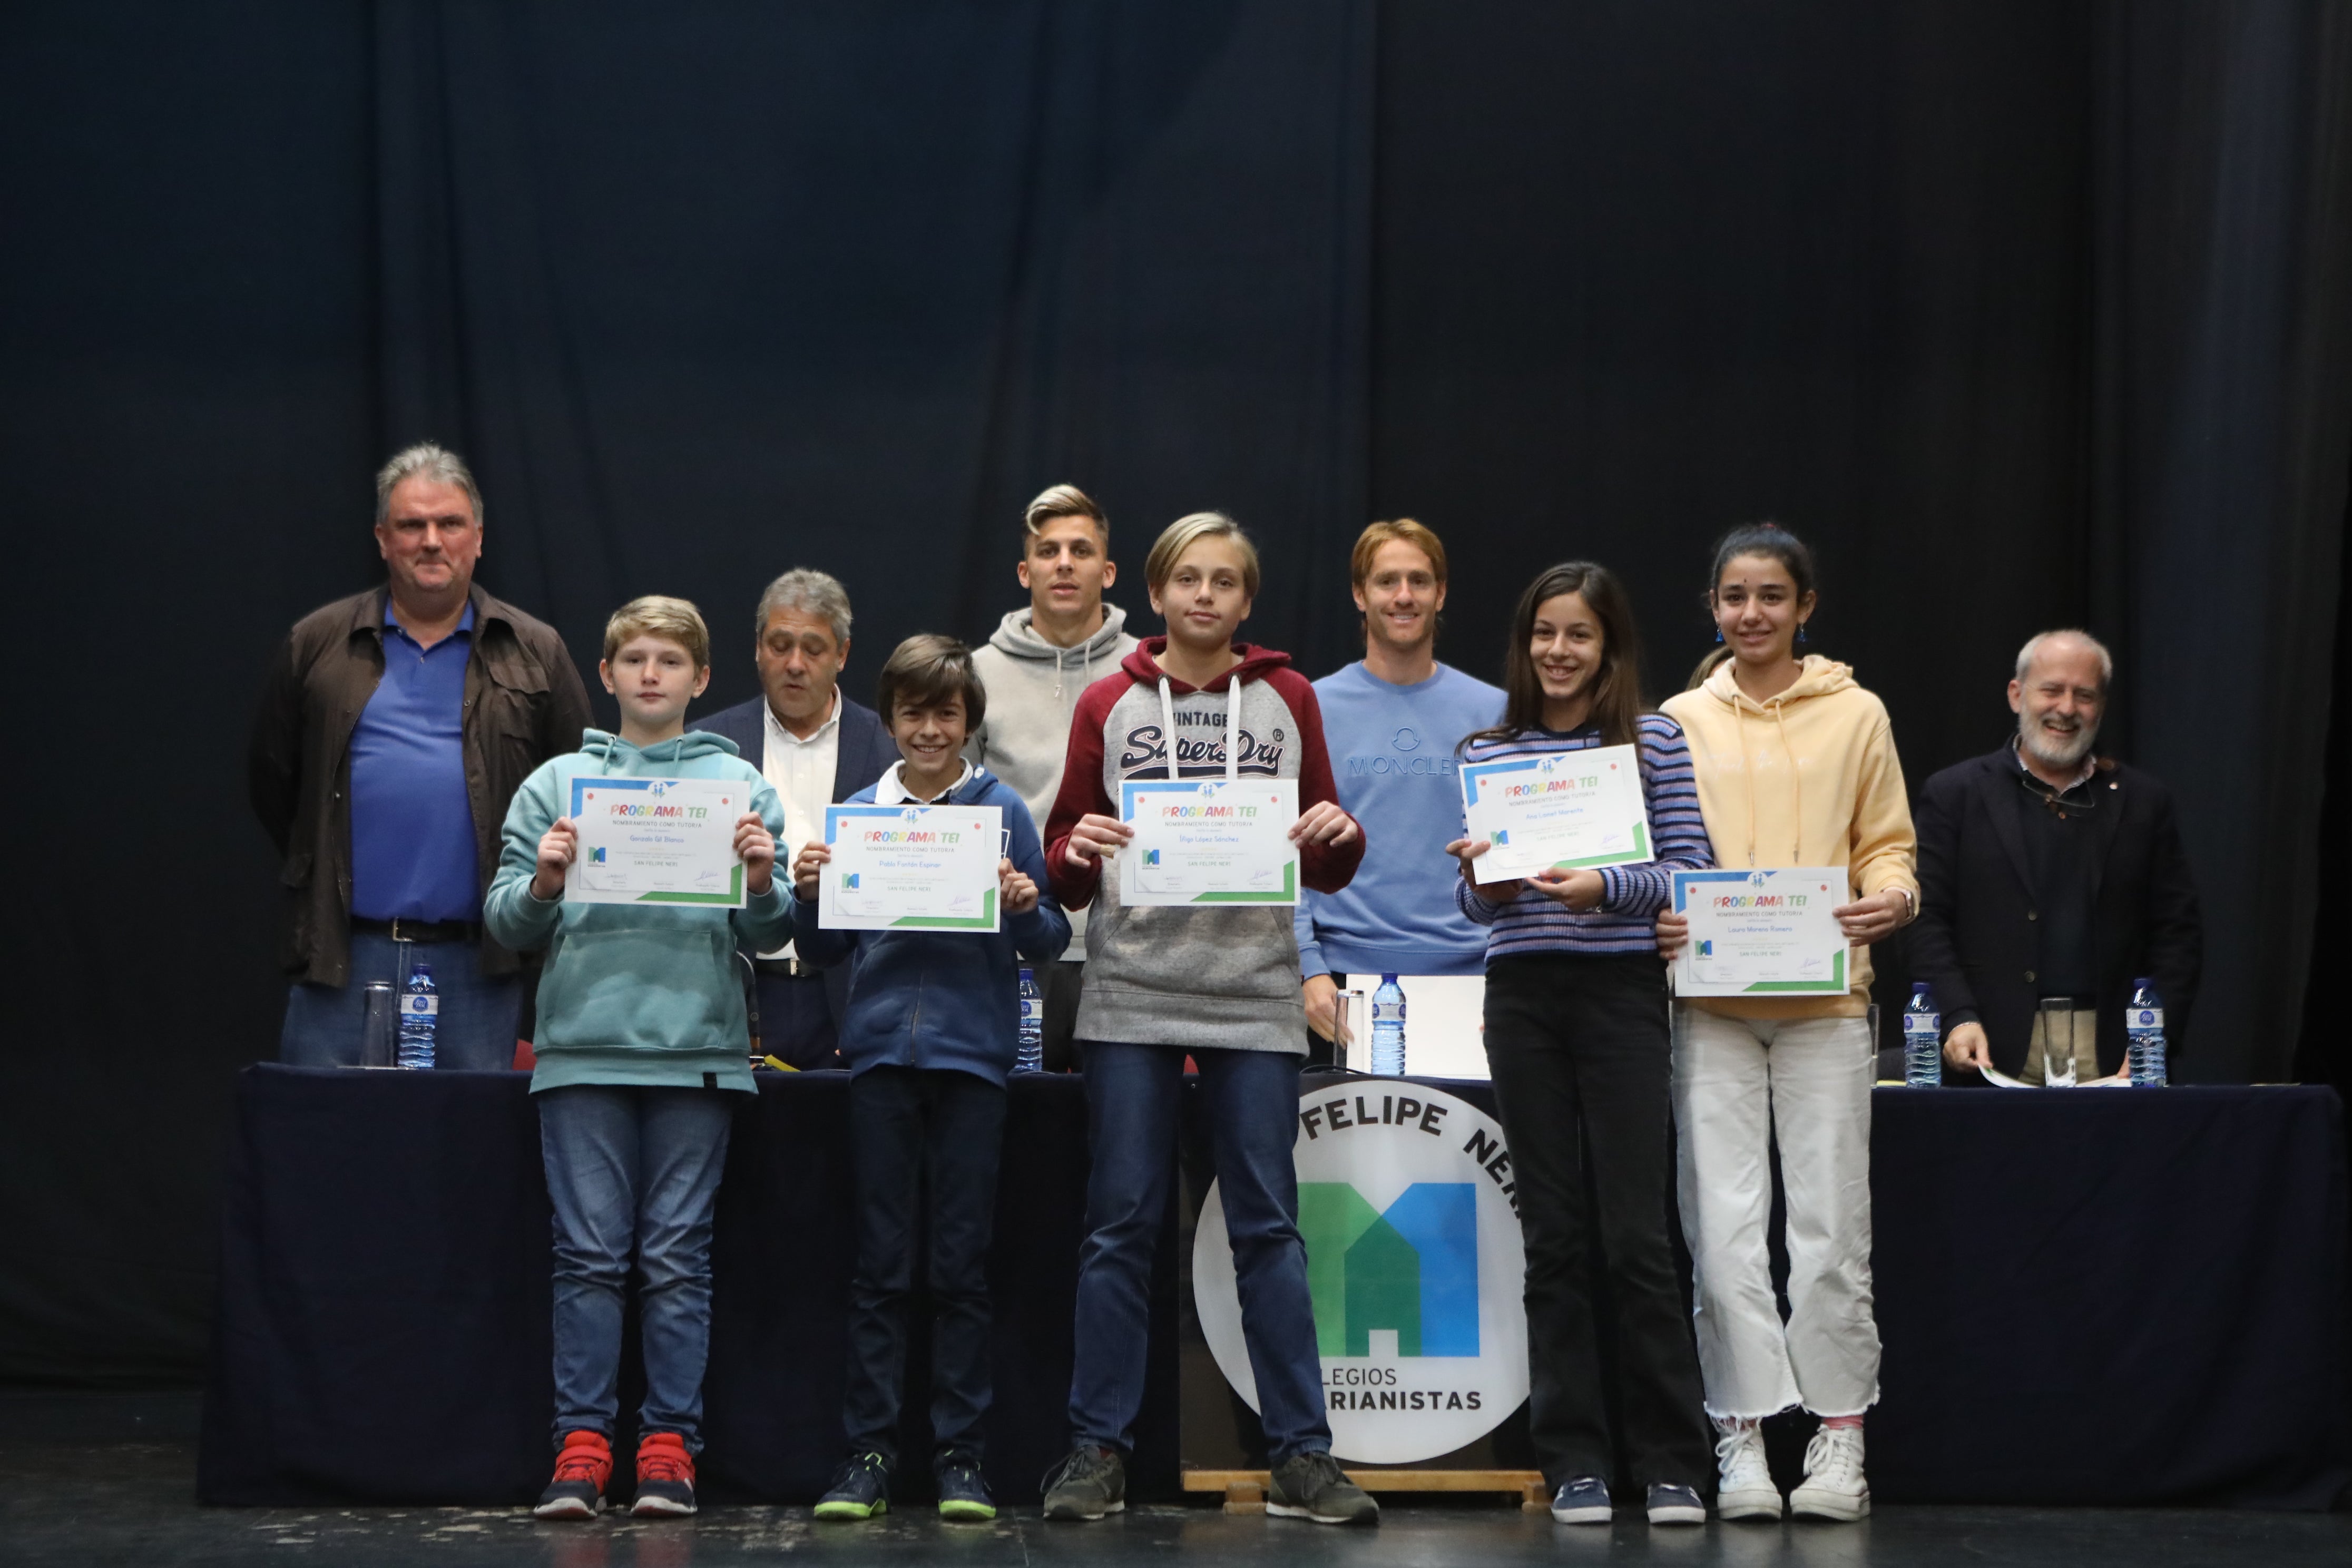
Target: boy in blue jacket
x=929, y=1033
x=642, y=1046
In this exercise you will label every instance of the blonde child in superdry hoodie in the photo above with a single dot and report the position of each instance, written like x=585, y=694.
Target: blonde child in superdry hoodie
x=1219, y=984
x=1795, y=766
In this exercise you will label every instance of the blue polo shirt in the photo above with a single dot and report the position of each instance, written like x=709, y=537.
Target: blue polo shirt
x=413, y=848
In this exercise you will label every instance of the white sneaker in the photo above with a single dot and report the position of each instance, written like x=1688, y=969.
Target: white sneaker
x=1744, y=1488
x=1833, y=1487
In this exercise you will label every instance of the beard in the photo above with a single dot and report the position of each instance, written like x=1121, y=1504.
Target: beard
x=2052, y=748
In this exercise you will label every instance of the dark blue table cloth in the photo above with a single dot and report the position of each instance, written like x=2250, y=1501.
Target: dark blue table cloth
x=2086, y=1297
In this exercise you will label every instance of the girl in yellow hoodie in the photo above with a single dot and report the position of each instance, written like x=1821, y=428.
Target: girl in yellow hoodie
x=1796, y=766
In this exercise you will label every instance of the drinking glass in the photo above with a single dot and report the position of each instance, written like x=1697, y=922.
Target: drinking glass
x=2058, y=1042
x=1351, y=1020
x=380, y=1028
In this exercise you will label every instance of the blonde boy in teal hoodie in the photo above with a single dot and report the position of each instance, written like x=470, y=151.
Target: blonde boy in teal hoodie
x=642, y=1046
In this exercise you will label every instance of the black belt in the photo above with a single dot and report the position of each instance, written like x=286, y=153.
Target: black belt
x=421, y=931
x=788, y=968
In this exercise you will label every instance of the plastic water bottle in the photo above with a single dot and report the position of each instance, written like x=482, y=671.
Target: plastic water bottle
x=1923, y=1031
x=2144, y=1027
x=1387, y=1029
x=420, y=1016
x=1031, y=1057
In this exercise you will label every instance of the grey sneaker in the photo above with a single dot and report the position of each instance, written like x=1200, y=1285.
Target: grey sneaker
x=1089, y=1484
x=1312, y=1486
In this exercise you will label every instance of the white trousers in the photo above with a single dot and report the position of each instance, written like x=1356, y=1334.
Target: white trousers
x=1736, y=1081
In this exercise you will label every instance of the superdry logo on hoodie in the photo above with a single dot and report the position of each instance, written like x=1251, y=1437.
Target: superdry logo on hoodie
x=1146, y=745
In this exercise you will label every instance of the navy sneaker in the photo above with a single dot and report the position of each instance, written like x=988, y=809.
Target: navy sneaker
x=1089, y=1484
x=860, y=1490
x=1582, y=1499
x=964, y=1495
x=1671, y=1504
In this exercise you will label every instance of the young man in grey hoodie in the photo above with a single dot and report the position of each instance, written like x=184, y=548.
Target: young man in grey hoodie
x=1035, y=667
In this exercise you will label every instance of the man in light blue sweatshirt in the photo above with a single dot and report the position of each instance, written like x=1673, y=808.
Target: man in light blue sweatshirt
x=1391, y=722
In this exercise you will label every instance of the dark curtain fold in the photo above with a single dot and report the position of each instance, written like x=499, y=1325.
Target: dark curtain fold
x=2025, y=313
x=2221, y=296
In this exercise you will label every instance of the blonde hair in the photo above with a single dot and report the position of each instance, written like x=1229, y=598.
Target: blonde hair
x=1403, y=530
x=1190, y=529
x=1057, y=501
x=659, y=615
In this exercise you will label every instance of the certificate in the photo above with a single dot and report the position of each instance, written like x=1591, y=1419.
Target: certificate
x=1762, y=934
x=657, y=841
x=910, y=868
x=1556, y=812
x=1209, y=841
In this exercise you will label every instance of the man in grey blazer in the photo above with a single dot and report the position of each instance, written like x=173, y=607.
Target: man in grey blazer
x=816, y=747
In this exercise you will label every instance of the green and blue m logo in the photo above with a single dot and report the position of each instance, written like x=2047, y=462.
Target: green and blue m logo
x=1413, y=1269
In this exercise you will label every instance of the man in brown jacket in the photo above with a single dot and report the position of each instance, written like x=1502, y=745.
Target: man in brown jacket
x=394, y=730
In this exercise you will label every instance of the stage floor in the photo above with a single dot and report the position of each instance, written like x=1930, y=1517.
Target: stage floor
x=100, y=1478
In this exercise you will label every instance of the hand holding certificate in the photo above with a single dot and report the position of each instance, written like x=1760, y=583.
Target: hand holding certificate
x=1768, y=932
x=1564, y=811
x=1209, y=841
x=657, y=841
x=931, y=867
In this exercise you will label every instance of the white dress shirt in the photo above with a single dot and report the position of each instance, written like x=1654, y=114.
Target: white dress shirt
x=802, y=773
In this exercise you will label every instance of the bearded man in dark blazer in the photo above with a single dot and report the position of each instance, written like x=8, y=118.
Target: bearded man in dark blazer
x=2048, y=871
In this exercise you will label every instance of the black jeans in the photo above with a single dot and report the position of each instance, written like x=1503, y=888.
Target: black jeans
x=930, y=1138
x=1582, y=1060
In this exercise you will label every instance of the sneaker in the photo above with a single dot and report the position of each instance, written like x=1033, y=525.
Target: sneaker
x=1743, y=1487
x=1583, y=1500
x=1832, y=1487
x=582, y=1467
x=964, y=1495
x=1312, y=1486
x=665, y=1477
x=1672, y=1504
x=860, y=1490
x=1089, y=1484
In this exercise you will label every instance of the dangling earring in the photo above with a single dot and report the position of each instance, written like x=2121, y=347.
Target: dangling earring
x=1718, y=634
x=1800, y=631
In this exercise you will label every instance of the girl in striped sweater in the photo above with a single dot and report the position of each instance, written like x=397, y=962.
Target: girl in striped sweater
x=1577, y=1041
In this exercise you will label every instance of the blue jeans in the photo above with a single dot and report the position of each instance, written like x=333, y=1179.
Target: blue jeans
x=1132, y=1101
x=478, y=1013
x=627, y=1165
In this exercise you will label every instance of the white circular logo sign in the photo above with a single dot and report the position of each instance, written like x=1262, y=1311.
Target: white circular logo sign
x=1415, y=1263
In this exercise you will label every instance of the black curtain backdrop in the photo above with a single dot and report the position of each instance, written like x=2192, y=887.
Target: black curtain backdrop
x=2025, y=314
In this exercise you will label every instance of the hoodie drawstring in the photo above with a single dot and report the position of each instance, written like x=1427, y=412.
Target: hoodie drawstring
x=1232, y=727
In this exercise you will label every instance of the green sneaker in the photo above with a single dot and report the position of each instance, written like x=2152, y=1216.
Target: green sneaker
x=861, y=1490
x=964, y=1495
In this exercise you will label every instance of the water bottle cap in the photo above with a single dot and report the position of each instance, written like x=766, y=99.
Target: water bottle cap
x=1387, y=979
x=1028, y=974
x=2140, y=984
x=420, y=967
x=1918, y=988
